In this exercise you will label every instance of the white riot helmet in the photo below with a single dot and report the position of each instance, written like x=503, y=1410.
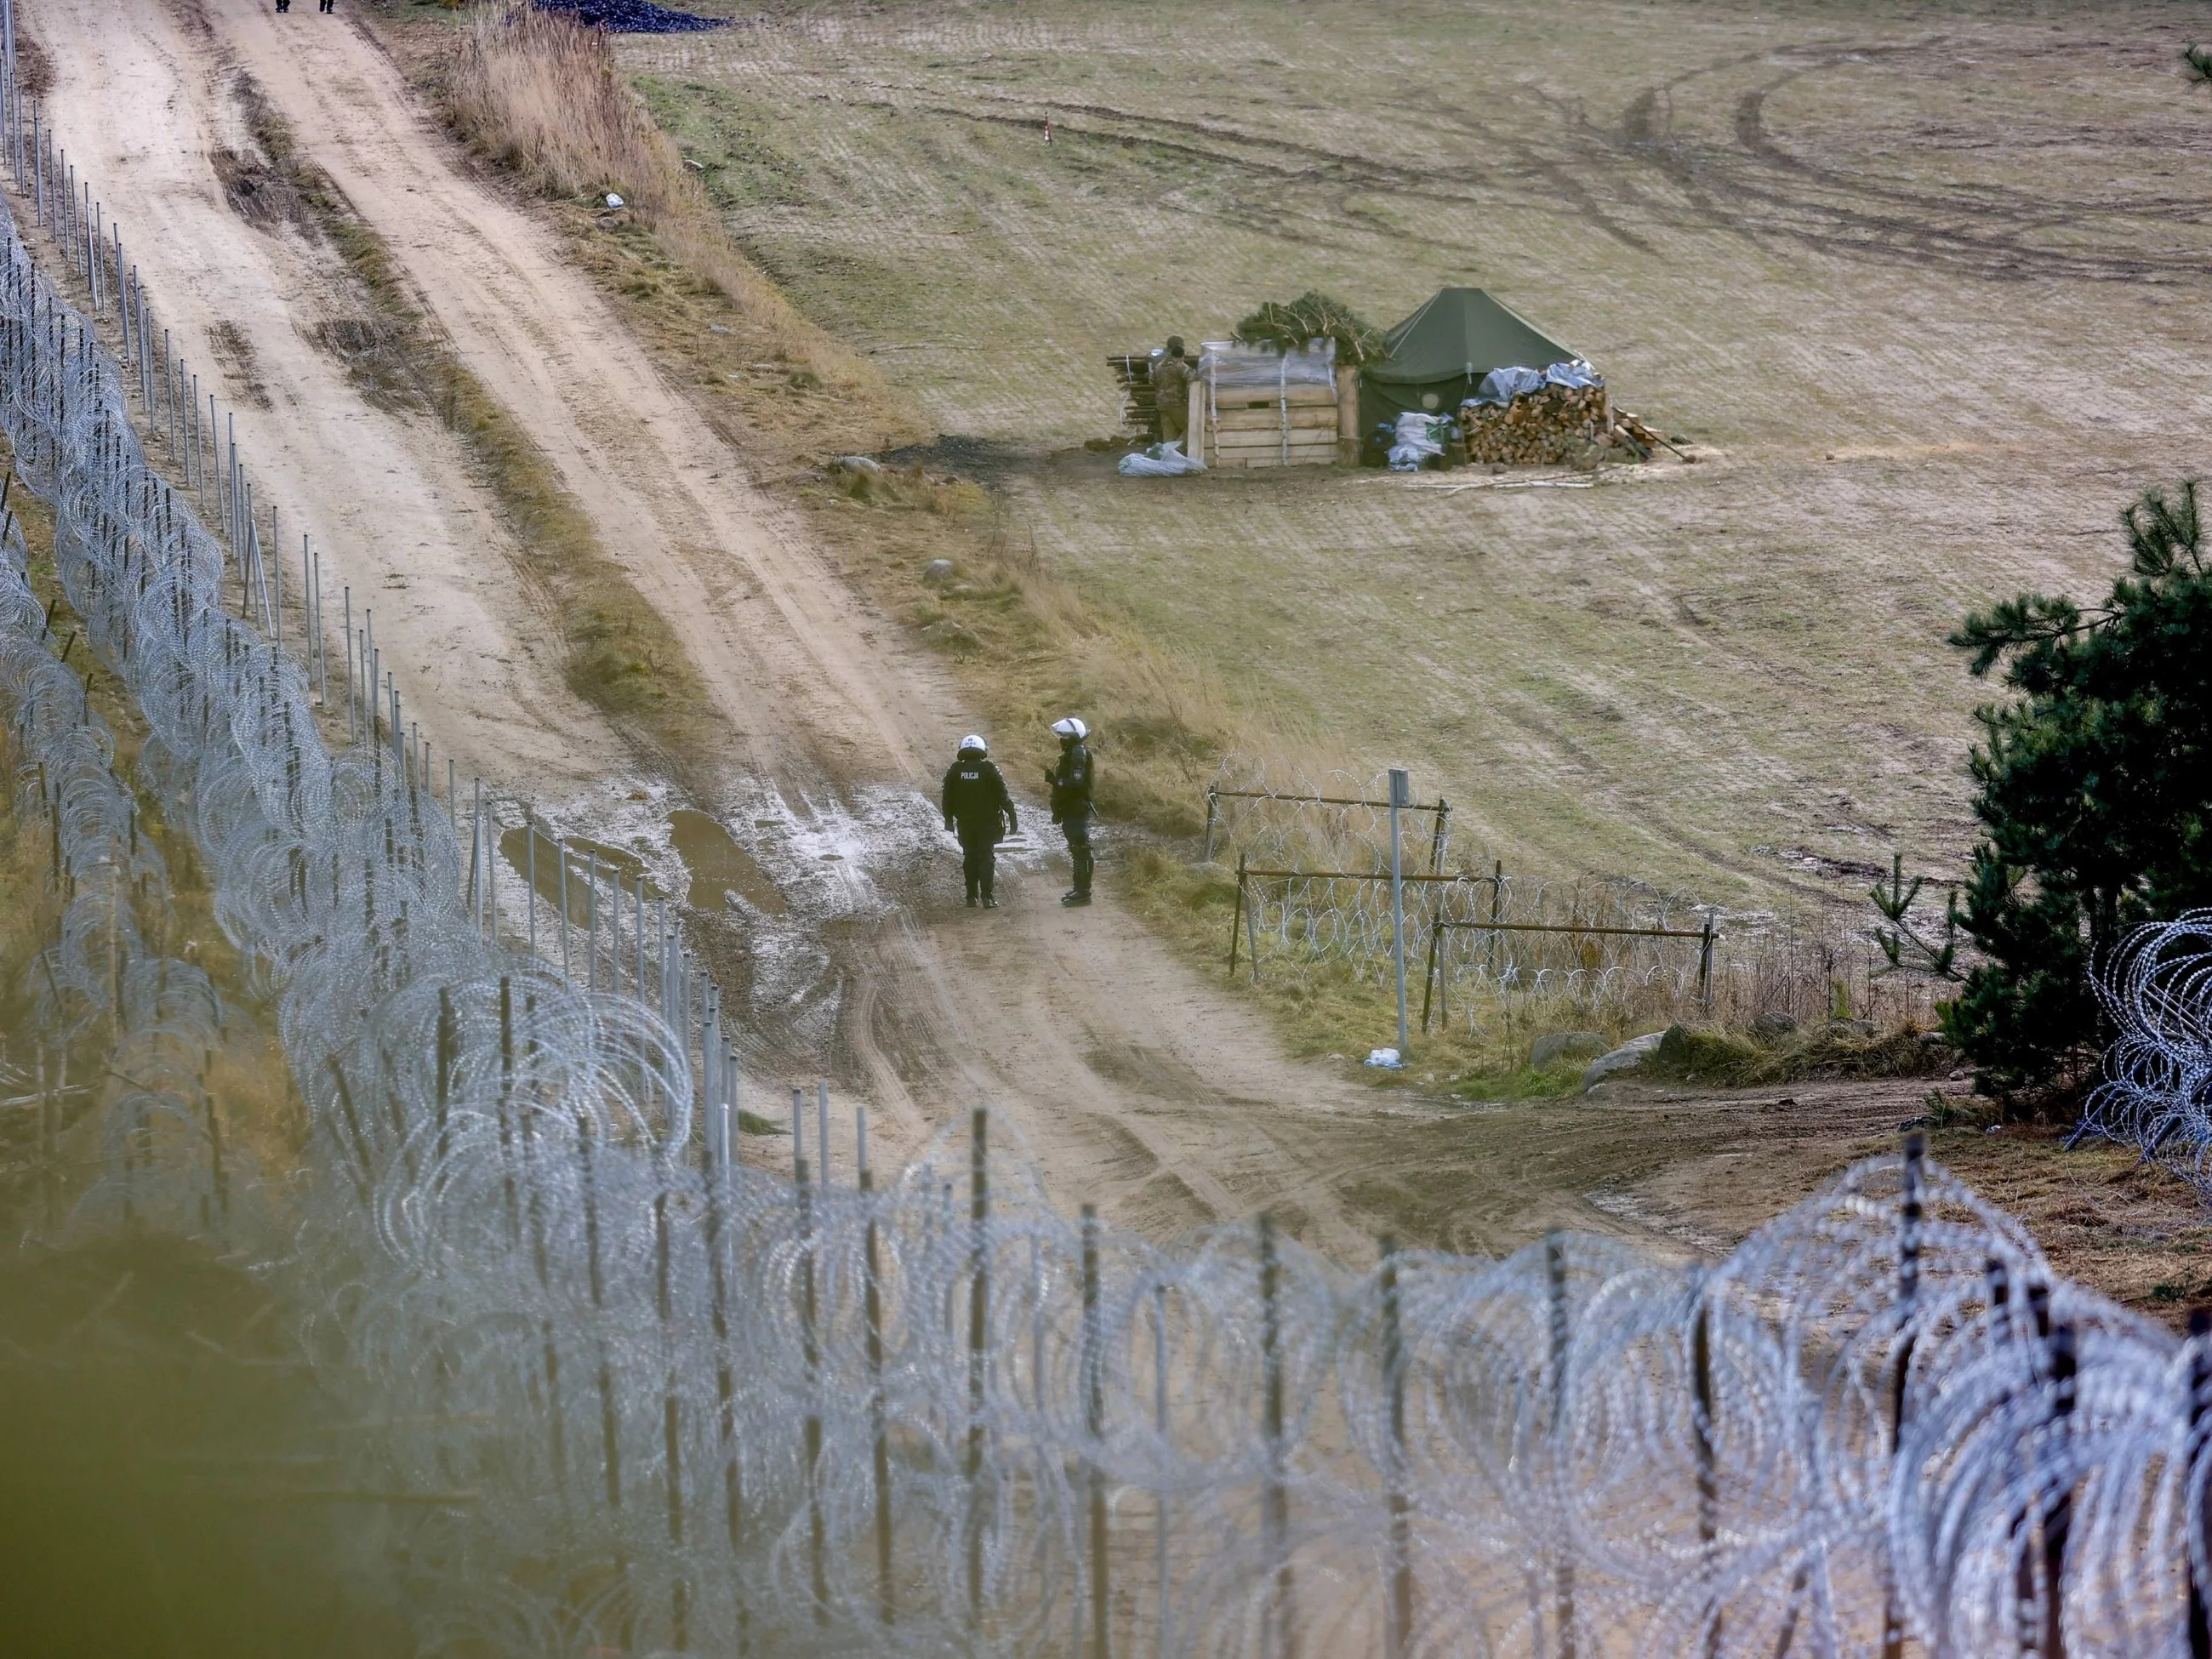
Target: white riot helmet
x=971, y=741
x=1071, y=727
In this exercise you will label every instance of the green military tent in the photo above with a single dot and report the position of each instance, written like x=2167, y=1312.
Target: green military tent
x=1439, y=355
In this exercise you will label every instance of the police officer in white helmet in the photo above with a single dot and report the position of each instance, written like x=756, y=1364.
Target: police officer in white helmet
x=1070, y=782
x=979, y=810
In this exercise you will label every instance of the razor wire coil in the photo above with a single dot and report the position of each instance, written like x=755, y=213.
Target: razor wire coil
x=712, y=1396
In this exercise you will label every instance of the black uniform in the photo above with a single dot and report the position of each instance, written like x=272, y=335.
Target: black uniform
x=1071, y=811
x=975, y=806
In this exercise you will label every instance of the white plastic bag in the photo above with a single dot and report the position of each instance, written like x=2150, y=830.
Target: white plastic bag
x=1164, y=460
x=1418, y=438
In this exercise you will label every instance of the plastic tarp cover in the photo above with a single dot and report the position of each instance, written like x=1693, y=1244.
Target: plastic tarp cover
x=1164, y=460
x=1503, y=386
x=1224, y=363
x=1418, y=438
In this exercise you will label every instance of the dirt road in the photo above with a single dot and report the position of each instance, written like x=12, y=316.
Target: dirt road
x=141, y=102
x=1138, y=1087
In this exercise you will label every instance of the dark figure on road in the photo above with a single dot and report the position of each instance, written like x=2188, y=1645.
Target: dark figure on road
x=1070, y=782
x=980, y=812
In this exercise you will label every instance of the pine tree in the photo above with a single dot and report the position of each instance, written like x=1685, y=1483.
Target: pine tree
x=2095, y=791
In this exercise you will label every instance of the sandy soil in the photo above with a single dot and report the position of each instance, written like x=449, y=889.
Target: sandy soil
x=1138, y=1087
x=143, y=98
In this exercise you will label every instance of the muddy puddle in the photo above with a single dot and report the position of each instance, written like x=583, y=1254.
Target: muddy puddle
x=717, y=864
x=615, y=864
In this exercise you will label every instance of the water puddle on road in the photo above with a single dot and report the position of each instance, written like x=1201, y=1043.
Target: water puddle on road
x=718, y=865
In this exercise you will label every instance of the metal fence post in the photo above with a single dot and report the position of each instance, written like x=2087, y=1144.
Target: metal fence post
x=1908, y=1292
x=1398, y=1613
x=1212, y=811
x=1093, y=1424
x=1401, y=795
x=1706, y=965
x=979, y=1298
x=1279, y=1634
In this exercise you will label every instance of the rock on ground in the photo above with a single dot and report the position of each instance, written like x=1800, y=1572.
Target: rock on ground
x=1626, y=1058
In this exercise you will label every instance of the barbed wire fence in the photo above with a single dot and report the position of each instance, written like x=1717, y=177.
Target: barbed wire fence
x=649, y=1398
x=2156, y=1092
x=1311, y=860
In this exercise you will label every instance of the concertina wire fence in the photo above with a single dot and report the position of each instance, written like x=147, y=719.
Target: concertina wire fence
x=679, y=1403
x=1482, y=938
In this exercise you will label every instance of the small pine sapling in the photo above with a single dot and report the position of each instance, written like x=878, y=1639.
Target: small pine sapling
x=1903, y=945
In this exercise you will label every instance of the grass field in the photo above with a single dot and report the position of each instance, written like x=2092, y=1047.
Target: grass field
x=1925, y=283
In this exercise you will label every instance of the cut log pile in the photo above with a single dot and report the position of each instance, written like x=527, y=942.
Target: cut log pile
x=1297, y=427
x=1542, y=428
x=1132, y=372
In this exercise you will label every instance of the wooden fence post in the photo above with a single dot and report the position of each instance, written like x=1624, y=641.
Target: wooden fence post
x=1428, y=973
x=1236, y=921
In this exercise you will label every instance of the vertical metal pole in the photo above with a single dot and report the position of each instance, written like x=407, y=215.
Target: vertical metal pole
x=561, y=849
x=1437, y=835
x=475, y=853
x=530, y=828
x=1401, y=794
x=979, y=1299
x=1213, y=812
x=886, y=1595
x=1398, y=1615
x=1160, y=1498
x=1701, y=1426
x=592, y=927
x=812, y=1428
x=1278, y=1632
x=1094, y=1423
x=2200, y=1409
x=1908, y=1293
x=2058, y=1517
x=1563, y=1569
x=822, y=1124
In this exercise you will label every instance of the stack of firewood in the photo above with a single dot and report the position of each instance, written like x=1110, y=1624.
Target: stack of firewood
x=1543, y=428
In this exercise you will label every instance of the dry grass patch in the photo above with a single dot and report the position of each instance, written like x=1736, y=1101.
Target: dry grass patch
x=540, y=94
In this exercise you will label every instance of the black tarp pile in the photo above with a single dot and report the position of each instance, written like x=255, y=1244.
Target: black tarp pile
x=632, y=16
